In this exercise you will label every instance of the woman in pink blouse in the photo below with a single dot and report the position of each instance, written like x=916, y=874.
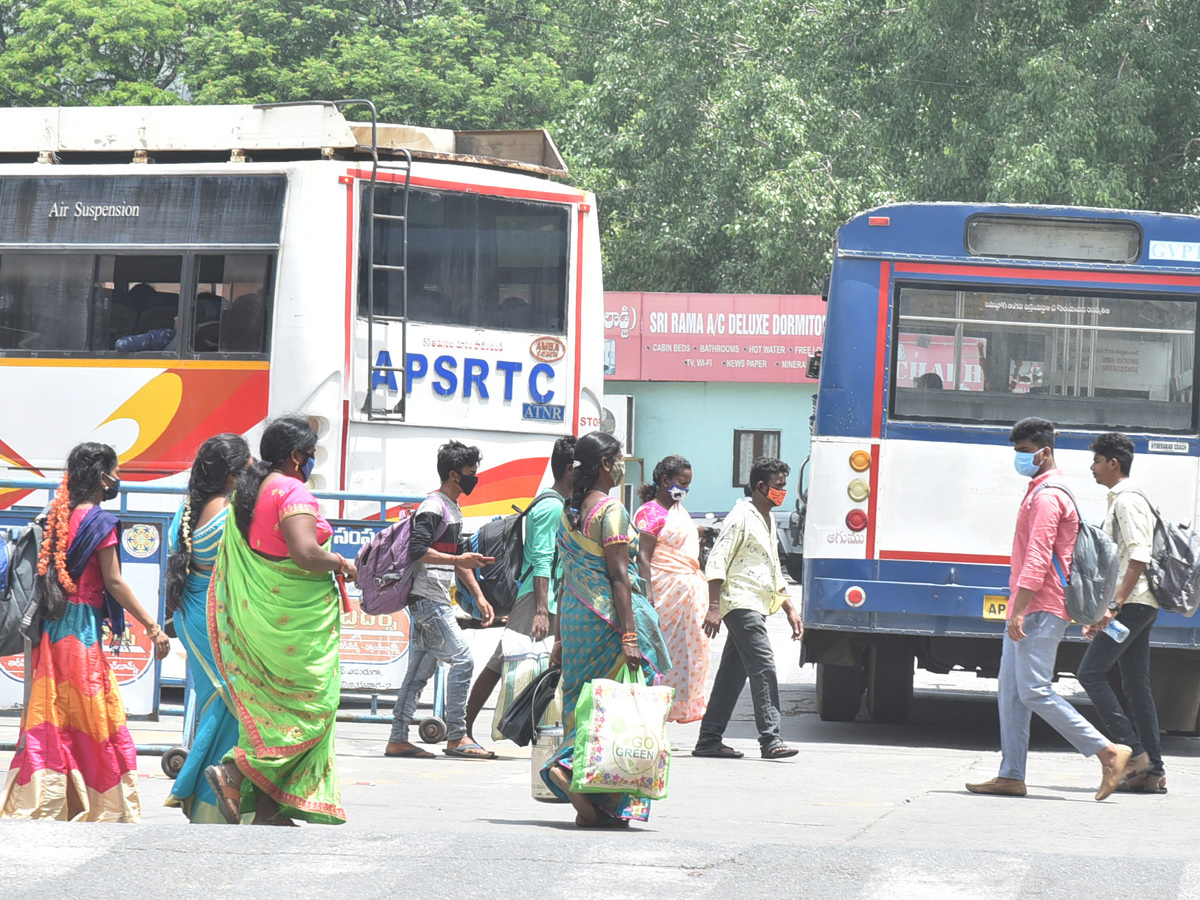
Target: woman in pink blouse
x=275, y=626
x=669, y=561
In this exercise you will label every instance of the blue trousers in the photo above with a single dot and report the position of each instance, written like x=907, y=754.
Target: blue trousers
x=1026, y=687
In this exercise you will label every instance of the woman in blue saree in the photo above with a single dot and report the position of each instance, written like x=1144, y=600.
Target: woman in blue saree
x=604, y=619
x=193, y=540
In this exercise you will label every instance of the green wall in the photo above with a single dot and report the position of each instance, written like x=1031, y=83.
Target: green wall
x=697, y=420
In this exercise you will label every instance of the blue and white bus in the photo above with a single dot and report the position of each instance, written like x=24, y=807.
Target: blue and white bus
x=948, y=322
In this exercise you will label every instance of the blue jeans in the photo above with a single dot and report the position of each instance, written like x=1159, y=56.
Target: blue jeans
x=1026, y=687
x=436, y=638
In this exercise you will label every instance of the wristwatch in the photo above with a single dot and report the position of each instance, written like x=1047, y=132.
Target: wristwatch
x=1114, y=606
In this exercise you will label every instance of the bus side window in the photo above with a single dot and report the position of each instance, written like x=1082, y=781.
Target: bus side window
x=230, y=311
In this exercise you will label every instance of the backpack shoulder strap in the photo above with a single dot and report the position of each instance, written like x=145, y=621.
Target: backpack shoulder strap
x=544, y=495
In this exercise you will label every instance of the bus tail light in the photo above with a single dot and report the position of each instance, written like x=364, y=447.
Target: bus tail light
x=879, y=220
x=856, y=520
x=860, y=460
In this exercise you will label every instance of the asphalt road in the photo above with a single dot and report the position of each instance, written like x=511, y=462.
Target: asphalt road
x=865, y=811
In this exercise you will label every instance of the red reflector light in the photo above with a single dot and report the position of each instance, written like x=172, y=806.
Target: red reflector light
x=879, y=220
x=856, y=520
x=855, y=597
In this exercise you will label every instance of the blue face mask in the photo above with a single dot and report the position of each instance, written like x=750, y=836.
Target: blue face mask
x=1025, y=465
x=307, y=469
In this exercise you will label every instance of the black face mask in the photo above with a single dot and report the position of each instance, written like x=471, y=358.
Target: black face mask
x=110, y=492
x=467, y=482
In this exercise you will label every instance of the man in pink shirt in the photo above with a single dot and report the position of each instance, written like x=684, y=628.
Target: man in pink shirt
x=1047, y=525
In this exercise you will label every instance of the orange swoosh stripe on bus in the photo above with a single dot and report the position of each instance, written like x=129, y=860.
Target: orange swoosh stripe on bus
x=214, y=401
x=152, y=408
x=9, y=456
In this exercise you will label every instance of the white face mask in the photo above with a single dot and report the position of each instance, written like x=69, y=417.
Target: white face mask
x=677, y=493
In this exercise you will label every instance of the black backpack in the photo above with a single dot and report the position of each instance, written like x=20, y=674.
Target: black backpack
x=19, y=614
x=504, y=539
x=1173, y=572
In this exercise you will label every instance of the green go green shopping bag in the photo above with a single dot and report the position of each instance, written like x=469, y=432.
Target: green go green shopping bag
x=621, y=741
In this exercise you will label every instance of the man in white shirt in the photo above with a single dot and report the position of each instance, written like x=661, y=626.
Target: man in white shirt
x=745, y=585
x=1130, y=522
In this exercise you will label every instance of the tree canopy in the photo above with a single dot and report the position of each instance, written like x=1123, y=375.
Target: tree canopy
x=725, y=141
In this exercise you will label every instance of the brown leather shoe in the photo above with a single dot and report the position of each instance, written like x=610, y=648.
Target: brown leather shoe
x=1005, y=787
x=1111, y=776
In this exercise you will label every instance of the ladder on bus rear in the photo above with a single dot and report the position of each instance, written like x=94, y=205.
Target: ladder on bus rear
x=382, y=371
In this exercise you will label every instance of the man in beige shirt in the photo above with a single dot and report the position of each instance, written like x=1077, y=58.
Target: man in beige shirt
x=1130, y=522
x=745, y=585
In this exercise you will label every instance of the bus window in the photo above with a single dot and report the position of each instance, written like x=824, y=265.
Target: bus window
x=81, y=302
x=481, y=262
x=229, y=313
x=1079, y=360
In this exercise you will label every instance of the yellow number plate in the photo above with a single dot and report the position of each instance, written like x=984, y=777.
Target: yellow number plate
x=995, y=607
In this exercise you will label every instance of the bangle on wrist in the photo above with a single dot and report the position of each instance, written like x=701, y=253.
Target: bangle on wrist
x=341, y=566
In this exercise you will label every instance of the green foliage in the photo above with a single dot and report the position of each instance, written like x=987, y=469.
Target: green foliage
x=90, y=52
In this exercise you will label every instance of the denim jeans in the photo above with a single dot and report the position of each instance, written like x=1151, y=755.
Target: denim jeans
x=1132, y=656
x=747, y=655
x=436, y=638
x=1026, y=687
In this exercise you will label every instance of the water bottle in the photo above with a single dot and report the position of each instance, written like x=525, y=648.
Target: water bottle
x=1116, y=631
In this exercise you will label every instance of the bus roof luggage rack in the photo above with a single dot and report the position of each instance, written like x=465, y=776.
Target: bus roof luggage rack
x=305, y=126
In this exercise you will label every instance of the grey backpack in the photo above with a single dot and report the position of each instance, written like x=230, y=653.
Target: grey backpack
x=1092, y=581
x=19, y=615
x=1173, y=572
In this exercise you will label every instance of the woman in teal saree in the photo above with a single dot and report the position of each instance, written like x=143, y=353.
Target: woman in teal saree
x=193, y=540
x=604, y=620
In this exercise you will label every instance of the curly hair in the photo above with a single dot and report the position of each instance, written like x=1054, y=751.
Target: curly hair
x=281, y=438
x=591, y=451
x=218, y=458
x=668, y=467
x=86, y=465
x=763, y=468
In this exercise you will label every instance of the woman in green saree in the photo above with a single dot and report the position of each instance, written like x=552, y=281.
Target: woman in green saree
x=604, y=619
x=275, y=625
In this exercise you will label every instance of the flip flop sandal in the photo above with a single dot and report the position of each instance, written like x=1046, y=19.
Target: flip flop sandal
x=462, y=751
x=277, y=819
x=722, y=752
x=780, y=751
x=411, y=753
x=229, y=796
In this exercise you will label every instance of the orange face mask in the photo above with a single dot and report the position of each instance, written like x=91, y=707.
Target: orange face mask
x=777, y=495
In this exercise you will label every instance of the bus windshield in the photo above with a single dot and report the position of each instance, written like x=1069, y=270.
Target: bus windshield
x=1086, y=360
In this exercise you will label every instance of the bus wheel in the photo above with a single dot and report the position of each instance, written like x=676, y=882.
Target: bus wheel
x=839, y=692
x=889, y=684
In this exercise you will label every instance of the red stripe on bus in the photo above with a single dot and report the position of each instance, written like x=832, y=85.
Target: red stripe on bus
x=873, y=501
x=881, y=331
x=347, y=381
x=345, y=442
x=1047, y=274
x=577, y=387
x=467, y=188
x=973, y=558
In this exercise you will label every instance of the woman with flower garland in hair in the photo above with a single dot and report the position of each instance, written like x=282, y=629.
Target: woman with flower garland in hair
x=604, y=619
x=76, y=760
x=669, y=562
x=193, y=539
x=274, y=619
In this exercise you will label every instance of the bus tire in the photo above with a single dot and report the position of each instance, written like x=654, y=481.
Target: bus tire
x=889, y=684
x=839, y=692
x=795, y=567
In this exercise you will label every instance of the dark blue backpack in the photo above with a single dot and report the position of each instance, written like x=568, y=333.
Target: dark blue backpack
x=503, y=538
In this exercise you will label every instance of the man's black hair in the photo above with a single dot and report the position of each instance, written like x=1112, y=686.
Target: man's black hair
x=1031, y=428
x=563, y=456
x=764, y=467
x=1114, y=445
x=454, y=456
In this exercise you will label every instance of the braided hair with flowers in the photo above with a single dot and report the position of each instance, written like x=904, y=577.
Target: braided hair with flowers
x=87, y=464
x=217, y=459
